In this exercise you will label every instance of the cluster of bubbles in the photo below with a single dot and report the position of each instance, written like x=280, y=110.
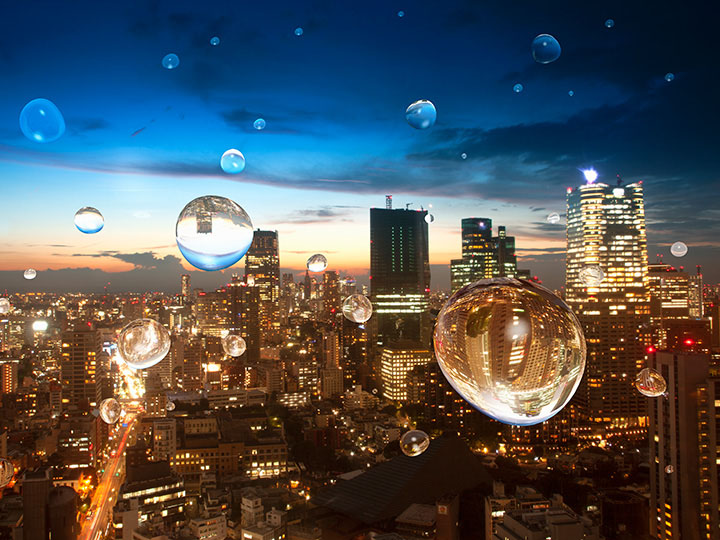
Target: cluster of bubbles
x=232, y=161
x=234, y=345
x=89, y=220
x=317, y=263
x=357, y=308
x=110, y=410
x=7, y=471
x=214, y=41
x=4, y=305
x=259, y=124
x=213, y=232
x=517, y=88
x=482, y=324
x=41, y=121
x=143, y=343
x=553, y=218
x=545, y=49
x=429, y=218
x=170, y=61
x=30, y=273
x=414, y=442
x=650, y=383
x=421, y=114
x=679, y=249
x=592, y=275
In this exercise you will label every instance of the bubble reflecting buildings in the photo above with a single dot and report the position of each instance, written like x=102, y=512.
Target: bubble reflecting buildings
x=669, y=469
x=414, y=442
x=650, y=383
x=259, y=124
x=234, y=345
x=143, y=343
x=4, y=306
x=518, y=88
x=545, y=49
x=429, y=218
x=213, y=232
x=357, y=308
x=7, y=471
x=317, y=263
x=30, y=273
x=591, y=276
x=421, y=114
x=553, y=218
x=170, y=406
x=41, y=121
x=511, y=348
x=170, y=61
x=89, y=220
x=110, y=410
x=679, y=249
x=232, y=161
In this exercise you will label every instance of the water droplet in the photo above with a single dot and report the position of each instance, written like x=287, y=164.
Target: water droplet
x=7, y=471
x=679, y=249
x=463, y=155
x=414, y=442
x=234, y=345
x=4, y=306
x=259, y=124
x=214, y=41
x=609, y=23
x=213, y=232
x=421, y=114
x=650, y=383
x=669, y=469
x=143, y=343
x=89, y=220
x=110, y=410
x=545, y=49
x=553, y=218
x=518, y=88
x=357, y=308
x=571, y=93
x=591, y=276
x=170, y=406
x=317, y=263
x=232, y=161
x=170, y=61
x=669, y=77
x=429, y=218
x=42, y=121
x=30, y=273
x=511, y=348
x=299, y=31
x=401, y=13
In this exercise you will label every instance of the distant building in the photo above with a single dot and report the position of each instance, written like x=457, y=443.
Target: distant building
x=185, y=287
x=396, y=361
x=80, y=347
x=262, y=270
x=244, y=317
x=8, y=376
x=36, y=491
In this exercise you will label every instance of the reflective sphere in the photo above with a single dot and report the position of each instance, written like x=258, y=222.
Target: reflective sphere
x=414, y=442
x=213, y=232
x=669, y=469
x=259, y=124
x=170, y=61
x=170, y=406
x=463, y=155
x=669, y=77
x=571, y=93
x=232, y=161
x=110, y=410
x=518, y=88
x=214, y=41
x=650, y=383
x=30, y=273
x=591, y=276
x=234, y=345
x=401, y=13
x=4, y=306
x=317, y=263
x=553, y=218
x=299, y=31
x=421, y=114
x=429, y=218
x=42, y=121
x=7, y=471
x=545, y=49
x=679, y=249
x=609, y=23
x=357, y=308
x=143, y=343
x=89, y=220
x=511, y=348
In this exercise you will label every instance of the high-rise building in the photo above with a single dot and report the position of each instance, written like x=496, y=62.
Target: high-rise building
x=396, y=361
x=8, y=376
x=211, y=312
x=36, y=490
x=244, y=316
x=331, y=295
x=606, y=228
x=80, y=348
x=185, y=287
x=62, y=513
x=262, y=270
x=669, y=290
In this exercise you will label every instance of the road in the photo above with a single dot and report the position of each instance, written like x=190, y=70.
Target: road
x=104, y=498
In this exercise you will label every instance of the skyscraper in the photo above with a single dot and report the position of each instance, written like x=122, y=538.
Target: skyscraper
x=331, y=295
x=244, y=310
x=262, y=269
x=397, y=360
x=185, y=287
x=606, y=228
x=80, y=348
x=36, y=489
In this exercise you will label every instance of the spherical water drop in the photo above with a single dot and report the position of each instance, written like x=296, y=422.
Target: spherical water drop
x=511, y=348
x=609, y=23
x=571, y=93
x=669, y=77
x=89, y=220
x=4, y=306
x=232, y=161
x=110, y=410
x=545, y=49
x=553, y=218
x=463, y=155
x=669, y=469
x=591, y=276
x=259, y=124
x=170, y=61
x=518, y=88
x=7, y=471
x=299, y=31
x=170, y=406
x=429, y=218
x=30, y=273
x=414, y=442
x=234, y=345
x=42, y=121
x=213, y=232
x=143, y=343
x=679, y=249
x=317, y=263
x=421, y=114
x=357, y=308
x=215, y=41
x=650, y=383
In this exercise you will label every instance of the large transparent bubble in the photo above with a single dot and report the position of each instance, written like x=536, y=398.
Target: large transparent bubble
x=232, y=161
x=7, y=471
x=511, y=348
x=170, y=61
x=545, y=49
x=414, y=442
x=110, y=410
x=357, y=308
x=143, y=343
x=421, y=114
x=42, y=121
x=213, y=232
x=4, y=306
x=30, y=273
x=234, y=345
x=650, y=383
x=317, y=263
x=89, y=220
x=679, y=249
x=591, y=276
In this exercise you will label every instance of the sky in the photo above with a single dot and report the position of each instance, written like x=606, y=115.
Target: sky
x=142, y=141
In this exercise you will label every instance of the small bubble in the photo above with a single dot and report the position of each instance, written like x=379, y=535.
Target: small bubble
x=234, y=345
x=429, y=218
x=609, y=23
x=401, y=13
x=669, y=77
x=170, y=61
x=30, y=273
x=518, y=88
x=545, y=49
x=421, y=114
x=143, y=343
x=299, y=31
x=7, y=471
x=357, y=308
x=259, y=124
x=110, y=410
x=317, y=263
x=232, y=161
x=650, y=383
x=571, y=93
x=669, y=469
x=463, y=155
x=41, y=121
x=414, y=442
x=215, y=41
x=4, y=306
x=679, y=249
x=553, y=218
x=591, y=276
x=89, y=220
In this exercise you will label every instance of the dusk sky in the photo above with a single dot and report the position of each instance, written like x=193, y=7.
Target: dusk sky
x=142, y=141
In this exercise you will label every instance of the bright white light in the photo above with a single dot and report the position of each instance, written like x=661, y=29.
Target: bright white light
x=39, y=326
x=619, y=192
x=590, y=175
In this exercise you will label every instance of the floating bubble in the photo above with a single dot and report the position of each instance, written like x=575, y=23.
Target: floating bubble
x=259, y=124
x=421, y=114
x=374, y=391
x=39, y=326
x=30, y=273
x=414, y=442
x=232, y=161
x=213, y=232
x=650, y=383
x=170, y=406
x=299, y=31
x=4, y=306
x=545, y=49
x=609, y=23
x=401, y=13
x=214, y=41
x=170, y=61
x=42, y=121
x=110, y=410
x=679, y=249
x=518, y=88
x=511, y=348
x=429, y=218
x=357, y=308
x=669, y=77
x=317, y=263
x=143, y=343
x=89, y=220
x=234, y=345
x=7, y=471
x=553, y=218
x=669, y=469
x=463, y=155
x=591, y=276
x=571, y=93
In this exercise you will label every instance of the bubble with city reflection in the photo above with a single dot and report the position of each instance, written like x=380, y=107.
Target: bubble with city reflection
x=170, y=406
x=143, y=343
x=7, y=471
x=89, y=220
x=41, y=121
x=234, y=345
x=650, y=383
x=317, y=263
x=511, y=348
x=30, y=273
x=110, y=410
x=591, y=276
x=357, y=308
x=669, y=469
x=414, y=442
x=679, y=249
x=545, y=49
x=421, y=114
x=4, y=306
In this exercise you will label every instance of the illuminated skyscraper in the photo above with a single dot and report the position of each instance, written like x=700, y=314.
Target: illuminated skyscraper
x=669, y=293
x=606, y=228
x=80, y=347
x=244, y=317
x=211, y=312
x=262, y=270
x=397, y=360
x=8, y=375
x=331, y=295
x=185, y=287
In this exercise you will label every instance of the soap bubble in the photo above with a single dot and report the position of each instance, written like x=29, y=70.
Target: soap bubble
x=401, y=13
x=170, y=406
x=518, y=88
x=414, y=442
x=42, y=121
x=4, y=306
x=213, y=232
x=259, y=124
x=317, y=263
x=357, y=308
x=232, y=161
x=553, y=218
x=7, y=471
x=170, y=61
x=669, y=469
x=89, y=220
x=669, y=77
x=609, y=23
x=463, y=155
x=30, y=273
x=110, y=410
x=299, y=31
x=679, y=249
x=234, y=345
x=650, y=383
x=545, y=49
x=571, y=93
x=591, y=276
x=429, y=218
x=511, y=348
x=143, y=343
x=421, y=114
x=214, y=41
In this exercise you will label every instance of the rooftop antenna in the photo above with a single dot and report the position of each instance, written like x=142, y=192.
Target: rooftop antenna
x=388, y=202
x=619, y=180
x=407, y=206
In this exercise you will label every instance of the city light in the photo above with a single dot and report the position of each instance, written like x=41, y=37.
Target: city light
x=590, y=175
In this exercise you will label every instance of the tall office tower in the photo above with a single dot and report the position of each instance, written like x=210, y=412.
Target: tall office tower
x=505, y=258
x=683, y=448
x=353, y=350
x=80, y=348
x=8, y=375
x=185, y=287
x=696, y=294
x=244, y=317
x=211, y=312
x=62, y=513
x=331, y=350
x=262, y=269
x=606, y=228
x=669, y=290
x=399, y=274
x=331, y=295
x=397, y=360
x=36, y=489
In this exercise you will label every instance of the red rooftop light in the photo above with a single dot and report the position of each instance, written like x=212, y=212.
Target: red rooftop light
x=689, y=341
x=650, y=349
